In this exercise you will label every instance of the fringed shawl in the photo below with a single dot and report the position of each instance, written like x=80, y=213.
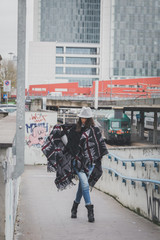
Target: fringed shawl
x=91, y=149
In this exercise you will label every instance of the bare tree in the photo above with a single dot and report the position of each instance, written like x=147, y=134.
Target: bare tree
x=8, y=71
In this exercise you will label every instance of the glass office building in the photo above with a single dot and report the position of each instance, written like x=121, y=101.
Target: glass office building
x=70, y=21
x=74, y=25
x=100, y=39
x=136, y=38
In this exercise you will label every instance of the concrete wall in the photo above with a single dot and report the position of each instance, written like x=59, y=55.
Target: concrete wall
x=2, y=204
x=8, y=195
x=11, y=195
x=145, y=200
x=9, y=187
x=37, y=127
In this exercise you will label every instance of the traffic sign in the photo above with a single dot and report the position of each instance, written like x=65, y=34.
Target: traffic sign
x=4, y=96
x=7, y=85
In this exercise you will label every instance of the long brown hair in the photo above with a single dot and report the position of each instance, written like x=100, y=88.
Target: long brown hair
x=89, y=122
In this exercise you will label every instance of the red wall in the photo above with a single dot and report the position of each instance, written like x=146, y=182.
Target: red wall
x=142, y=87
x=72, y=89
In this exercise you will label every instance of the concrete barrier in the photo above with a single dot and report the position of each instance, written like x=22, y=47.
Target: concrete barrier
x=125, y=181
x=43, y=121
x=9, y=187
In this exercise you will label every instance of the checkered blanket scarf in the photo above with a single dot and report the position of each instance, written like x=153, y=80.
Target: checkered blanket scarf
x=91, y=150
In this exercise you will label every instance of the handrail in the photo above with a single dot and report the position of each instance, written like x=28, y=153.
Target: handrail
x=67, y=115
x=133, y=160
x=132, y=179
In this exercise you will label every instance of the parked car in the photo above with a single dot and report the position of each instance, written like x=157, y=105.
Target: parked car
x=8, y=108
x=2, y=110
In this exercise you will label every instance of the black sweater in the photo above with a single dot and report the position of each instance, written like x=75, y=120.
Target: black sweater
x=73, y=140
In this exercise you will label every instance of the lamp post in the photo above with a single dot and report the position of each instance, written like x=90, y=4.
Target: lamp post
x=96, y=94
x=110, y=88
x=20, y=119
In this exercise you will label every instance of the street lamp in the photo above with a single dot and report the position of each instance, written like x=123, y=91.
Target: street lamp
x=110, y=88
x=96, y=94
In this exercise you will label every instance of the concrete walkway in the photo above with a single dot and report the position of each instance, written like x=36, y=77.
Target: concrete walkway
x=44, y=214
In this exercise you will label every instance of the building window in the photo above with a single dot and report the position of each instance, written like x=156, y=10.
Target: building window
x=81, y=71
x=76, y=50
x=116, y=71
x=59, y=60
x=59, y=50
x=59, y=70
x=75, y=60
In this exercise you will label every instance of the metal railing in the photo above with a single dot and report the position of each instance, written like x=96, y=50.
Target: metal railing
x=91, y=98
x=133, y=180
x=67, y=118
x=116, y=158
x=133, y=161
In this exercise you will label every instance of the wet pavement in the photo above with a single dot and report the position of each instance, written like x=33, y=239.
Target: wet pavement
x=44, y=214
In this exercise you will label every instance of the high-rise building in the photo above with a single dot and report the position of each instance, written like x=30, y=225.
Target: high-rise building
x=88, y=40
x=135, y=38
x=73, y=26
x=70, y=21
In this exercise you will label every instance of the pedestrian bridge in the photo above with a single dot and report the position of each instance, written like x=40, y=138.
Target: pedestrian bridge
x=44, y=213
x=130, y=176
x=54, y=102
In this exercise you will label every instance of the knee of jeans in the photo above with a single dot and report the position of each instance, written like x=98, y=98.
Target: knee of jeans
x=85, y=185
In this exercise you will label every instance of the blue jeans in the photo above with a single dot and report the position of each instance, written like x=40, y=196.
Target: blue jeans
x=83, y=187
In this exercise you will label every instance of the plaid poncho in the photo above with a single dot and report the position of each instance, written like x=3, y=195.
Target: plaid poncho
x=91, y=149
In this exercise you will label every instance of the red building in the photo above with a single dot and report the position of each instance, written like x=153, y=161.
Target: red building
x=140, y=87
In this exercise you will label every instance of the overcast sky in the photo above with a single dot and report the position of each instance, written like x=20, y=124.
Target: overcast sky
x=8, y=26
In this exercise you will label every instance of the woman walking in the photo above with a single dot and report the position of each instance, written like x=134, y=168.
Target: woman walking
x=87, y=147
x=77, y=150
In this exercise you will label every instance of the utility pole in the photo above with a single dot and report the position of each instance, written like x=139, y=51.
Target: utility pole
x=111, y=89
x=20, y=117
x=96, y=94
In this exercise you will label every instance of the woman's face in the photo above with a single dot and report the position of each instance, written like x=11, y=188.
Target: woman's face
x=83, y=120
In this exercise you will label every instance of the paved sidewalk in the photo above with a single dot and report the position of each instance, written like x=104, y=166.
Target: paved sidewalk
x=44, y=214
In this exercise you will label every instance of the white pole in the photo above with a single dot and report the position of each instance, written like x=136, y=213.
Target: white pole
x=96, y=94
x=111, y=89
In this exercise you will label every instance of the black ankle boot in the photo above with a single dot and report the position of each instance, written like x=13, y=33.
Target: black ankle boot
x=90, y=213
x=74, y=210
